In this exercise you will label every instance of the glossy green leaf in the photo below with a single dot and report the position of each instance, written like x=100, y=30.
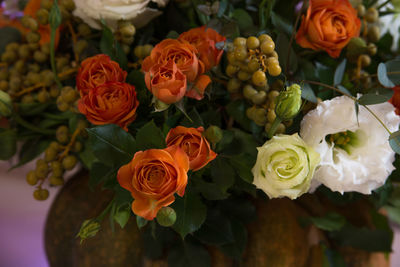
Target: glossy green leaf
x=111, y=144
x=339, y=72
x=150, y=136
x=122, y=215
x=243, y=164
x=372, y=99
x=393, y=71
x=329, y=222
x=394, y=141
x=383, y=77
x=189, y=254
x=141, y=222
x=307, y=93
x=216, y=230
x=222, y=173
x=30, y=150
x=242, y=18
x=190, y=213
x=363, y=238
x=100, y=173
x=236, y=249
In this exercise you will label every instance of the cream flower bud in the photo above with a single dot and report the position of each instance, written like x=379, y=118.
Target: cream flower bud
x=5, y=104
x=288, y=103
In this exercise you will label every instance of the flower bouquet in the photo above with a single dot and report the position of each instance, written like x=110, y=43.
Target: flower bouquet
x=223, y=133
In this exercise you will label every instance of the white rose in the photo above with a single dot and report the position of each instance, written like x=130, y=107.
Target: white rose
x=285, y=166
x=92, y=11
x=369, y=162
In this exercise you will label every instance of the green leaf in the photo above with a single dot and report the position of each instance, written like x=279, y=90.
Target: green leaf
x=136, y=78
x=111, y=144
x=216, y=230
x=343, y=90
x=307, y=93
x=31, y=109
x=339, y=72
x=197, y=121
x=30, y=150
x=189, y=254
x=122, y=215
x=8, y=143
x=393, y=213
x=236, y=249
x=54, y=22
x=86, y=156
x=283, y=50
x=281, y=24
x=100, y=173
x=372, y=99
x=329, y=222
x=243, y=164
x=393, y=71
x=110, y=47
x=210, y=191
x=242, y=18
x=141, y=222
x=190, y=213
x=237, y=109
x=324, y=73
x=222, y=173
x=149, y=137
x=240, y=209
x=394, y=141
x=383, y=77
x=363, y=238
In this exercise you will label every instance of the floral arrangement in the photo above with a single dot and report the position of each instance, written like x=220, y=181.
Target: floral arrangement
x=193, y=112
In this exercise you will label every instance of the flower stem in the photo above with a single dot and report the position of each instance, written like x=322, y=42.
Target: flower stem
x=274, y=127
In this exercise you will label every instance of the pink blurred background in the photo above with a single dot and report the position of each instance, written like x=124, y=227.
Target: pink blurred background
x=22, y=221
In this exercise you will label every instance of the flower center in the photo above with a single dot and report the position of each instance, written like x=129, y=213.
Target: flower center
x=347, y=140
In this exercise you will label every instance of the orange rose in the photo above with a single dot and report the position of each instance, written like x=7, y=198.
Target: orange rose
x=112, y=102
x=205, y=40
x=395, y=100
x=329, y=25
x=96, y=71
x=170, y=51
x=193, y=143
x=168, y=84
x=153, y=177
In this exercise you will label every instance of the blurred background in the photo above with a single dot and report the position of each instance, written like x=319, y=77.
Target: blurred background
x=22, y=221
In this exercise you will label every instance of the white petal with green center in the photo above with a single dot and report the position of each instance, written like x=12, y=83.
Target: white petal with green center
x=369, y=163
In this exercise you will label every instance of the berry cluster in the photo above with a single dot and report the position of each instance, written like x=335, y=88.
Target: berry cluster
x=249, y=60
x=59, y=157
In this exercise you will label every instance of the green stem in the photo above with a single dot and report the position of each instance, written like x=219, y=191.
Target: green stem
x=274, y=127
x=32, y=127
x=383, y=4
x=105, y=211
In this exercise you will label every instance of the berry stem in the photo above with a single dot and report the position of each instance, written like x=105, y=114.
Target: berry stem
x=70, y=144
x=74, y=40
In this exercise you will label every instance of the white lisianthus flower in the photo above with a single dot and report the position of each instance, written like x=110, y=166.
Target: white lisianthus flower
x=285, y=166
x=92, y=11
x=363, y=161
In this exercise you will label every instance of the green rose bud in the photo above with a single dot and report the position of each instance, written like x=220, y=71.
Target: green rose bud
x=288, y=103
x=166, y=216
x=5, y=104
x=213, y=134
x=285, y=166
x=88, y=229
x=356, y=47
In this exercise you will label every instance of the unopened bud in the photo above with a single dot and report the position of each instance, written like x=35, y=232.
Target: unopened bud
x=166, y=216
x=88, y=229
x=213, y=134
x=288, y=103
x=5, y=104
x=356, y=47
